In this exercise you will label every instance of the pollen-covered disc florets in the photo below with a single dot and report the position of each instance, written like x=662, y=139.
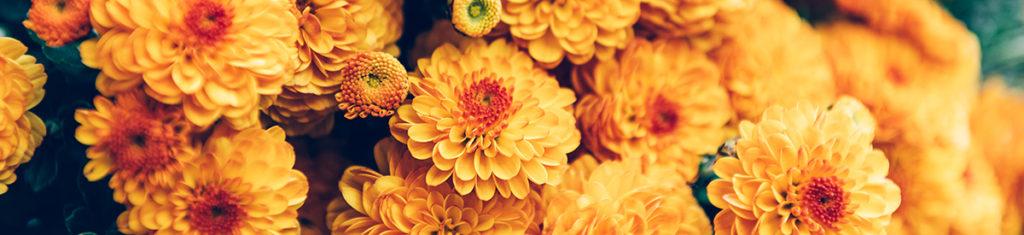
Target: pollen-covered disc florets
x=373, y=84
x=476, y=18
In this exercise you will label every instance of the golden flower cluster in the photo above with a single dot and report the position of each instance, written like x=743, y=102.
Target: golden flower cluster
x=21, y=89
x=869, y=123
x=330, y=32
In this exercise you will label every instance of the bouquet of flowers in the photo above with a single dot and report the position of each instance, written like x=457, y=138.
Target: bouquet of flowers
x=511, y=117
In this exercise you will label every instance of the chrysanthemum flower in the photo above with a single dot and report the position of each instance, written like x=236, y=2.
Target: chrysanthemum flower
x=488, y=119
x=244, y=183
x=214, y=57
x=617, y=197
x=580, y=29
x=700, y=22
x=624, y=113
x=476, y=18
x=330, y=32
x=373, y=84
x=400, y=202
x=772, y=57
x=895, y=67
x=21, y=89
x=997, y=134
x=931, y=183
x=804, y=170
x=139, y=141
x=981, y=210
x=59, y=22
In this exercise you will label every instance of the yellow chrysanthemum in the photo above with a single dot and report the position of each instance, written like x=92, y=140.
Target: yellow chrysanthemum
x=59, y=22
x=997, y=135
x=139, y=141
x=772, y=57
x=373, y=84
x=700, y=22
x=243, y=184
x=911, y=62
x=931, y=183
x=21, y=89
x=579, y=29
x=617, y=197
x=400, y=202
x=805, y=170
x=488, y=119
x=330, y=32
x=623, y=113
x=476, y=18
x=214, y=57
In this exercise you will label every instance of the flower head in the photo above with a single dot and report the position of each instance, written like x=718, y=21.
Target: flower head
x=373, y=84
x=139, y=141
x=618, y=197
x=804, y=170
x=476, y=18
x=329, y=32
x=488, y=120
x=623, y=113
x=578, y=29
x=216, y=58
x=21, y=89
x=997, y=135
x=772, y=57
x=243, y=183
x=59, y=22
x=401, y=202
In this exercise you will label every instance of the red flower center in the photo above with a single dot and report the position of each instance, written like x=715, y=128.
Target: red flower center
x=139, y=141
x=664, y=116
x=207, y=21
x=215, y=211
x=485, y=103
x=825, y=200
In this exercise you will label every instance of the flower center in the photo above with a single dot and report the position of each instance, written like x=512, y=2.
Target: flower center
x=664, y=117
x=476, y=8
x=485, y=104
x=215, y=211
x=207, y=21
x=140, y=145
x=824, y=199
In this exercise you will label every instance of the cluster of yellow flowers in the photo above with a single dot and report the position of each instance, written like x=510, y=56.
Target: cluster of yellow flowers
x=536, y=116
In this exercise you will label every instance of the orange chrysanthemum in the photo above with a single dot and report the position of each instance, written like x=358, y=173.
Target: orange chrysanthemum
x=997, y=135
x=616, y=197
x=373, y=84
x=983, y=205
x=139, y=141
x=623, y=113
x=214, y=57
x=59, y=22
x=21, y=89
x=699, y=22
x=912, y=61
x=401, y=202
x=579, y=29
x=330, y=32
x=772, y=57
x=243, y=184
x=804, y=170
x=476, y=18
x=488, y=119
